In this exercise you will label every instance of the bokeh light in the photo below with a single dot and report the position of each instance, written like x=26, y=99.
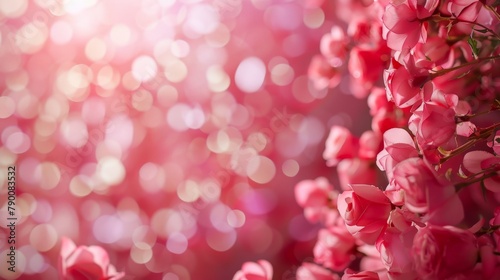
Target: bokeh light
x=168, y=132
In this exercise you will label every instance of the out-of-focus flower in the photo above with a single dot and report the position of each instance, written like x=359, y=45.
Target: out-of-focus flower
x=369, y=145
x=356, y=171
x=260, y=270
x=333, y=46
x=366, y=66
x=311, y=271
x=322, y=73
x=443, y=252
x=335, y=248
x=318, y=198
x=85, y=263
x=340, y=144
x=365, y=210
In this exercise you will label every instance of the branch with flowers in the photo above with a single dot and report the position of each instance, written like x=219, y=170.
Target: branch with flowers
x=430, y=73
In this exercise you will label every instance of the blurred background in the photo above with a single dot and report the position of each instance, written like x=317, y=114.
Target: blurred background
x=171, y=133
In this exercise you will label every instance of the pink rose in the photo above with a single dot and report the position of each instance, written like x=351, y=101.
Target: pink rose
x=340, y=144
x=443, y=252
x=309, y=271
x=85, y=263
x=334, y=248
x=425, y=194
x=260, y=270
x=365, y=210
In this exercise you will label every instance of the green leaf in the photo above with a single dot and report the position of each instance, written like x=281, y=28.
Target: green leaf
x=481, y=30
x=473, y=45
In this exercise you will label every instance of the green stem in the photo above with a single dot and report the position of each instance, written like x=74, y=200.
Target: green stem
x=483, y=134
x=468, y=117
x=462, y=185
x=451, y=19
x=448, y=70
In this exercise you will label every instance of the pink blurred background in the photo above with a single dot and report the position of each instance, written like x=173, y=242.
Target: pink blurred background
x=171, y=133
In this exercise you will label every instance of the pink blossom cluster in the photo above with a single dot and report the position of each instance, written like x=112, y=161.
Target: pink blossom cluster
x=419, y=193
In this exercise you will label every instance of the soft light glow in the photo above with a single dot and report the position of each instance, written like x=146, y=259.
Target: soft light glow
x=250, y=74
x=144, y=68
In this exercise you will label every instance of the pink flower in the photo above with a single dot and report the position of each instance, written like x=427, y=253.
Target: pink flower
x=85, y=263
x=365, y=66
x=401, y=87
x=369, y=145
x=310, y=271
x=377, y=101
x=466, y=10
x=322, y=73
x=318, y=199
x=349, y=274
x=398, y=146
x=435, y=51
x=443, y=252
x=395, y=251
x=434, y=121
x=356, y=171
x=487, y=164
x=334, y=248
x=403, y=22
x=340, y=144
x=425, y=194
x=437, y=124
x=260, y=270
x=466, y=129
x=365, y=210
x=333, y=46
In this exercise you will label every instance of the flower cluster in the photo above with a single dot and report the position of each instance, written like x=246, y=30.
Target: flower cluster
x=429, y=70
